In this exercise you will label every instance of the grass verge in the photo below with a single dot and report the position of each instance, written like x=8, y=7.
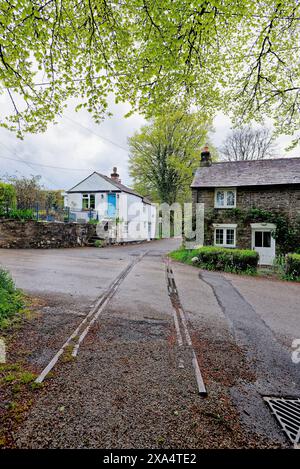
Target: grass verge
x=218, y=258
x=12, y=300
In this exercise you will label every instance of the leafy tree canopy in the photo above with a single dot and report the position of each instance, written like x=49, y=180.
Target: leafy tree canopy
x=241, y=56
x=7, y=195
x=165, y=153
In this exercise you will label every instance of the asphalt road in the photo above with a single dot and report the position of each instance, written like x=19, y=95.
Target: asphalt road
x=131, y=385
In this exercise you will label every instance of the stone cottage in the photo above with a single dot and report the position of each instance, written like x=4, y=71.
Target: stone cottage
x=243, y=198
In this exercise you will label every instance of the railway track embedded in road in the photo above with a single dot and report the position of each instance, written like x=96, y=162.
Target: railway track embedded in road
x=181, y=327
x=76, y=338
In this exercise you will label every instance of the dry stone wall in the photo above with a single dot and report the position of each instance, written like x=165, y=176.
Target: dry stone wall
x=34, y=234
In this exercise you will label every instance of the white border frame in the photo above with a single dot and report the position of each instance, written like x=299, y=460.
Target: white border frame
x=89, y=201
x=224, y=226
x=233, y=189
x=263, y=227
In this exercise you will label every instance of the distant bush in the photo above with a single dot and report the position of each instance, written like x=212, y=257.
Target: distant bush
x=214, y=258
x=22, y=214
x=292, y=267
x=98, y=243
x=7, y=196
x=11, y=299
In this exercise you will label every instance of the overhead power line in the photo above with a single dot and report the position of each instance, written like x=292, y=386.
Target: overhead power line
x=21, y=160
x=44, y=165
x=98, y=135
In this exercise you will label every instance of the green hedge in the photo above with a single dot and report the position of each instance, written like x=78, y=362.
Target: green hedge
x=11, y=299
x=292, y=268
x=18, y=214
x=213, y=258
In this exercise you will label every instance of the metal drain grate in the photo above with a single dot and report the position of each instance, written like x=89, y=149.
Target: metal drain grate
x=287, y=412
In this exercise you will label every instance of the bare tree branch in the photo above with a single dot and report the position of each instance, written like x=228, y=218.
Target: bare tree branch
x=248, y=143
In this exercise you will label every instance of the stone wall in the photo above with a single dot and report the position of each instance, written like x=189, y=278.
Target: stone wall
x=279, y=199
x=33, y=234
x=284, y=199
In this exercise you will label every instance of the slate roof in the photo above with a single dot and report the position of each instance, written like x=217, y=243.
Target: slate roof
x=118, y=185
x=249, y=173
x=125, y=188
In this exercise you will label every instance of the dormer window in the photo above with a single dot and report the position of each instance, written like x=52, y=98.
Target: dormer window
x=225, y=198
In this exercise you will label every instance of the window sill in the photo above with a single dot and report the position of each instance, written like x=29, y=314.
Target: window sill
x=230, y=246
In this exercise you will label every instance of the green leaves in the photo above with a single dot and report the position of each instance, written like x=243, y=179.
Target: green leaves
x=7, y=196
x=164, y=154
x=239, y=56
x=11, y=300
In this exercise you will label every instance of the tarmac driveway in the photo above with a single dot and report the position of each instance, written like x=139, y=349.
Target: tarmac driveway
x=132, y=383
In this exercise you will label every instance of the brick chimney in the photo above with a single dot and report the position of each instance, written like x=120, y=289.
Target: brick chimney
x=114, y=175
x=205, y=157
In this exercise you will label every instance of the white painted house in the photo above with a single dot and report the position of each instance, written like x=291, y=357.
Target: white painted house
x=127, y=215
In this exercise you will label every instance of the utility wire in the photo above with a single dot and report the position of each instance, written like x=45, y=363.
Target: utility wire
x=19, y=158
x=29, y=163
x=45, y=165
x=95, y=133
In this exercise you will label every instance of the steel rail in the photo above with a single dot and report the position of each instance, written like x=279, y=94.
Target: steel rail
x=80, y=333
x=180, y=319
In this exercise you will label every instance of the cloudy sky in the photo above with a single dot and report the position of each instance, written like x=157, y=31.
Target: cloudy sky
x=81, y=146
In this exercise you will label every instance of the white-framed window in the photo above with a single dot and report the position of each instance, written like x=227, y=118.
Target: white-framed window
x=225, y=235
x=88, y=201
x=225, y=197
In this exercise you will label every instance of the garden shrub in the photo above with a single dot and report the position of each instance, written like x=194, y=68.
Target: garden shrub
x=17, y=213
x=7, y=196
x=22, y=214
x=214, y=258
x=292, y=268
x=184, y=255
x=11, y=299
x=98, y=243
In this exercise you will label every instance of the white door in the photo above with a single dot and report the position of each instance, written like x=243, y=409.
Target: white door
x=264, y=243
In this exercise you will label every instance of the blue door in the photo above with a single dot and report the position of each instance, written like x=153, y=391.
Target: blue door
x=112, y=202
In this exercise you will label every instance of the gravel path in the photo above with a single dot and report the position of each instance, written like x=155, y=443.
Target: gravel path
x=127, y=387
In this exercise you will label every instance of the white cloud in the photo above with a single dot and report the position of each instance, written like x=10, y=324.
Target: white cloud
x=223, y=125
x=75, y=142
x=77, y=145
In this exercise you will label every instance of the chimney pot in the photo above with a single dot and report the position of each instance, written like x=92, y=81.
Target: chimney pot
x=114, y=175
x=205, y=157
